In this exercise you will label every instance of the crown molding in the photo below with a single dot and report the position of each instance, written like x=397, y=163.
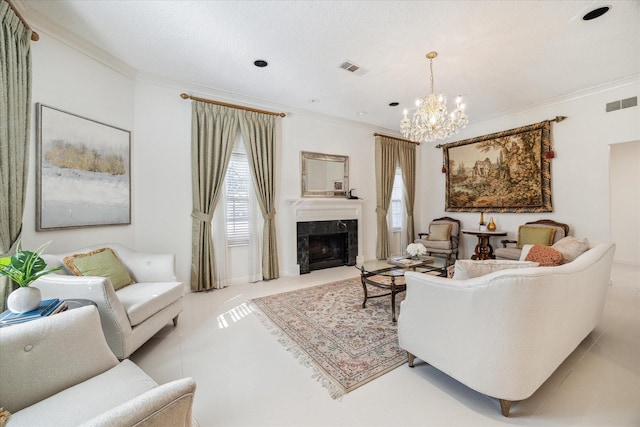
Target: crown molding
x=42, y=24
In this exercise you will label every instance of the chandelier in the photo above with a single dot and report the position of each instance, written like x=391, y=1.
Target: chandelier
x=430, y=120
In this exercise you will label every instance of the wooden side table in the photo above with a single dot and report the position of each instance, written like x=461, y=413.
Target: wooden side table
x=483, y=249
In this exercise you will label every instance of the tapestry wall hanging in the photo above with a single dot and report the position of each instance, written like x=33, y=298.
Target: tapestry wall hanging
x=82, y=172
x=507, y=171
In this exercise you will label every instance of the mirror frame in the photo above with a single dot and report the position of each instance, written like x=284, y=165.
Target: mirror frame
x=306, y=192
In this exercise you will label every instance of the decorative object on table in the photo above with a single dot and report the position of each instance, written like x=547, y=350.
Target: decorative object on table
x=506, y=171
x=416, y=249
x=431, y=121
x=325, y=328
x=83, y=171
x=492, y=225
x=45, y=308
x=481, y=224
x=23, y=268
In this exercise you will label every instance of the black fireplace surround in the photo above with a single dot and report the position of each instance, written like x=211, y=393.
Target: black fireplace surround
x=325, y=244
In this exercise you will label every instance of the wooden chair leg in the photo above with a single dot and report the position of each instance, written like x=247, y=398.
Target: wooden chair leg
x=175, y=321
x=505, y=406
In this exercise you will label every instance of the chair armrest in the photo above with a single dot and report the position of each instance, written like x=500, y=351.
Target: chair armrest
x=115, y=323
x=506, y=242
x=45, y=356
x=422, y=235
x=166, y=405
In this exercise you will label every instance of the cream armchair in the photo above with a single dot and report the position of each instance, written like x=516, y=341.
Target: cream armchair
x=440, y=242
x=132, y=314
x=59, y=371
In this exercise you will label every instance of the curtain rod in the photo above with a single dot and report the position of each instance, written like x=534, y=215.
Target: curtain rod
x=557, y=119
x=396, y=138
x=34, y=36
x=224, y=104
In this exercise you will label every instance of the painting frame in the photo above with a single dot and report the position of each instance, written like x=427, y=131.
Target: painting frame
x=511, y=171
x=83, y=171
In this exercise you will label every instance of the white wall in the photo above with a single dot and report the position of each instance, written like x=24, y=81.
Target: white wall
x=579, y=172
x=625, y=201
x=68, y=80
x=161, y=125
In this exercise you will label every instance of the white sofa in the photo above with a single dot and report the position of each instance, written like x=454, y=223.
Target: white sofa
x=503, y=334
x=59, y=371
x=133, y=314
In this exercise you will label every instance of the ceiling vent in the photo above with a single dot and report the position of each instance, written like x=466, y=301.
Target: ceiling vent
x=349, y=66
x=622, y=103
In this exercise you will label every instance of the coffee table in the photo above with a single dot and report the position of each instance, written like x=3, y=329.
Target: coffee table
x=382, y=274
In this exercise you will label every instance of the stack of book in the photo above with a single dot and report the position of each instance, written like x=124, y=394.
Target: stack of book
x=47, y=307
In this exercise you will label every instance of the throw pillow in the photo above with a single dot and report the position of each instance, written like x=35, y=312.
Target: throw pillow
x=571, y=247
x=530, y=235
x=102, y=263
x=439, y=232
x=545, y=255
x=468, y=269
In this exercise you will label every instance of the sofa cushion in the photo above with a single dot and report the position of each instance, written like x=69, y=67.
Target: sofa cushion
x=439, y=232
x=571, y=247
x=143, y=300
x=101, y=262
x=545, y=255
x=78, y=403
x=468, y=269
x=530, y=235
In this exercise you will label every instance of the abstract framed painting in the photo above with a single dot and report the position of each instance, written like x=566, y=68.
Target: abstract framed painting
x=507, y=171
x=83, y=171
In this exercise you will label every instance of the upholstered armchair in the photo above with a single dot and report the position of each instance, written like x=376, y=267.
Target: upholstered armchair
x=59, y=371
x=443, y=237
x=544, y=231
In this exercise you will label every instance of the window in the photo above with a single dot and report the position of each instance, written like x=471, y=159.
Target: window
x=396, y=201
x=237, y=183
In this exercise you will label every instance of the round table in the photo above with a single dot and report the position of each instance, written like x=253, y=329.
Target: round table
x=483, y=249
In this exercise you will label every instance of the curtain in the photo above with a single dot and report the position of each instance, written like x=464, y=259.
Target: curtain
x=219, y=235
x=386, y=159
x=15, y=119
x=407, y=160
x=213, y=132
x=259, y=134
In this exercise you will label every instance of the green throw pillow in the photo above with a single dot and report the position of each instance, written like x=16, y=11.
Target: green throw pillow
x=439, y=232
x=529, y=235
x=102, y=263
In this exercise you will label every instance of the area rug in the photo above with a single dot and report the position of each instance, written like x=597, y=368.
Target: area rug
x=327, y=329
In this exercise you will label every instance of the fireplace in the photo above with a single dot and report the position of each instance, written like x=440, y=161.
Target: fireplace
x=325, y=244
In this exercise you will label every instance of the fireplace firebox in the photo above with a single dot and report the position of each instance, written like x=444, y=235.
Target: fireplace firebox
x=325, y=244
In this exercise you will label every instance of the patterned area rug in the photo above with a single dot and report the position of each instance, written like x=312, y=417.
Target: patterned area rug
x=327, y=329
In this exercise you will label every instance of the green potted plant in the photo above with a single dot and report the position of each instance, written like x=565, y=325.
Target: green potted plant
x=23, y=268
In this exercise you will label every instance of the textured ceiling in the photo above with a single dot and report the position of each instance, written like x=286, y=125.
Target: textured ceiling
x=500, y=55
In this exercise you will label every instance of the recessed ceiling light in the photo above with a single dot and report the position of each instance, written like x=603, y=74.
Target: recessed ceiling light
x=595, y=13
x=261, y=63
x=362, y=113
x=314, y=101
x=394, y=104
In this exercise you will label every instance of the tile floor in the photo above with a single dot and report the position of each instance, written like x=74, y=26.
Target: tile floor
x=246, y=378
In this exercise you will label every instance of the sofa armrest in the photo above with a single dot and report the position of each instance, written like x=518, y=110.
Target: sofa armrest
x=147, y=267
x=43, y=357
x=166, y=405
x=506, y=242
x=115, y=323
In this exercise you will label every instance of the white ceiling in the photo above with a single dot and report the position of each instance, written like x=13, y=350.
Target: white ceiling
x=500, y=55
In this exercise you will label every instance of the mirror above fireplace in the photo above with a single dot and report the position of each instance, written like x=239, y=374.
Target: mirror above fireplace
x=324, y=175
